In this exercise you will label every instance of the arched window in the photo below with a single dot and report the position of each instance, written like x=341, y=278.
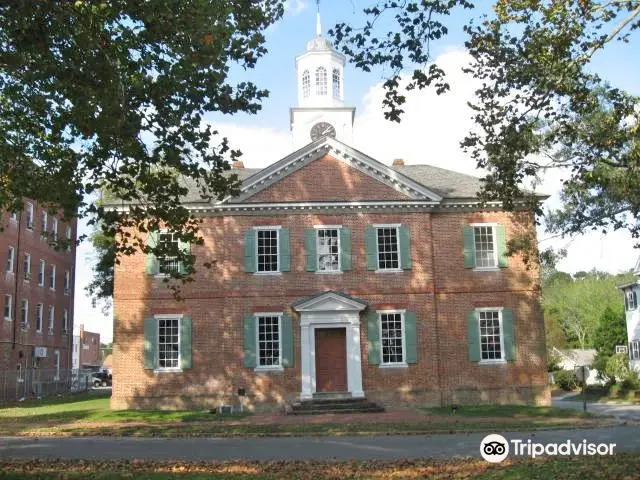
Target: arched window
x=321, y=81
x=306, y=84
x=336, y=83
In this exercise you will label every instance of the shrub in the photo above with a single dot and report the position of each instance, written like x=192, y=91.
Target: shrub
x=631, y=381
x=553, y=362
x=617, y=366
x=566, y=379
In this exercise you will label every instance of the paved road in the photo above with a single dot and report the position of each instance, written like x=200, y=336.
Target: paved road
x=627, y=412
x=297, y=448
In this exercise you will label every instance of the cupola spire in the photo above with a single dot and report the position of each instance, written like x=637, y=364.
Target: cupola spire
x=318, y=26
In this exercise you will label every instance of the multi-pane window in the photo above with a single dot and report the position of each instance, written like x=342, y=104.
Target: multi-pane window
x=39, y=314
x=54, y=229
x=26, y=267
x=52, y=277
x=56, y=354
x=267, y=250
x=14, y=216
x=306, y=84
x=631, y=300
x=168, y=343
x=269, y=341
x=8, y=306
x=490, y=335
x=52, y=318
x=65, y=320
x=336, y=83
x=67, y=282
x=388, y=248
x=328, y=249
x=321, y=81
x=11, y=255
x=41, y=273
x=168, y=264
x=68, y=237
x=634, y=351
x=44, y=223
x=24, y=313
x=391, y=336
x=29, y=215
x=485, y=246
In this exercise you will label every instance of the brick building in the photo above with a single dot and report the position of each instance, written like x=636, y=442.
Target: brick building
x=86, y=349
x=335, y=273
x=36, y=292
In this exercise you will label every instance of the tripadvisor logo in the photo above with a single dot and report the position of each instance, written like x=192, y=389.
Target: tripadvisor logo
x=494, y=448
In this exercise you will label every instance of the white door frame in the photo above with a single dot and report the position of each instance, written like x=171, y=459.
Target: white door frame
x=330, y=310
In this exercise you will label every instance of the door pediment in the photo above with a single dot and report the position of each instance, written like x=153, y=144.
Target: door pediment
x=330, y=302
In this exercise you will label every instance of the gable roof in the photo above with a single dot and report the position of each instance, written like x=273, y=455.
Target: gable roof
x=579, y=356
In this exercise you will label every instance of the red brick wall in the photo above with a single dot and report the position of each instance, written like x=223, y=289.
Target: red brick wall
x=30, y=241
x=438, y=288
x=327, y=179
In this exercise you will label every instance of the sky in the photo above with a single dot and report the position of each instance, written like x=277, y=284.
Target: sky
x=430, y=131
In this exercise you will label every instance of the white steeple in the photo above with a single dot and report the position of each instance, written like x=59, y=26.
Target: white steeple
x=320, y=74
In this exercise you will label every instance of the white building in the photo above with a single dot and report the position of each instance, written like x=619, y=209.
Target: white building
x=631, y=292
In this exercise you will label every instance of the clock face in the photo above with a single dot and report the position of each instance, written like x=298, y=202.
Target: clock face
x=322, y=129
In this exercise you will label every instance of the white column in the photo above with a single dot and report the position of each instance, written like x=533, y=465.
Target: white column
x=354, y=364
x=305, y=360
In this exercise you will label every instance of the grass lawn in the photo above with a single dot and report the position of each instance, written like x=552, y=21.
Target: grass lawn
x=613, y=394
x=563, y=468
x=84, y=415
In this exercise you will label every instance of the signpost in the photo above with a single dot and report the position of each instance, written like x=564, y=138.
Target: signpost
x=581, y=373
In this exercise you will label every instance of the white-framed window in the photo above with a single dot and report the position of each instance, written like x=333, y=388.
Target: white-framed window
x=67, y=235
x=67, y=282
x=168, y=343
x=269, y=340
x=631, y=300
x=41, y=273
x=491, y=335
x=19, y=373
x=54, y=228
x=44, y=223
x=321, y=81
x=328, y=248
x=485, y=245
x=65, y=320
x=306, y=84
x=39, y=315
x=11, y=258
x=52, y=277
x=634, y=353
x=13, y=216
x=26, y=266
x=392, y=342
x=24, y=313
x=56, y=354
x=268, y=250
x=168, y=264
x=52, y=319
x=28, y=208
x=622, y=349
x=336, y=83
x=8, y=307
x=388, y=244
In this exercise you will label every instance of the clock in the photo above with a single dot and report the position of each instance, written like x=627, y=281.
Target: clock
x=322, y=129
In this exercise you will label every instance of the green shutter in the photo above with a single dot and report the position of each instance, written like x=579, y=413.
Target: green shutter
x=250, y=250
x=405, y=247
x=285, y=250
x=501, y=242
x=345, y=249
x=184, y=247
x=250, y=340
x=373, y=338
x=473, y=333
x=287, y=341
x=185, y=342
x=310, y=248
x=469, y=248
x=626, y=301
x=153, y=266
x=150, y=343
x=372, y=248
x=508, y=333
x=410, y=337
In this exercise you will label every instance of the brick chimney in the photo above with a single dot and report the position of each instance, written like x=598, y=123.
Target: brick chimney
x=237, y=165
x=398, y=162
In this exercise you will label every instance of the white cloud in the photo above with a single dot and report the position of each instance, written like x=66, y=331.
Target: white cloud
x=294, y=7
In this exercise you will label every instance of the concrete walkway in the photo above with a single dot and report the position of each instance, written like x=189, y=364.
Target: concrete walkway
x=622, y=411
x=296, y=448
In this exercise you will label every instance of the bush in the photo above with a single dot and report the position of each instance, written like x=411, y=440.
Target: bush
x=566, y=379
x=617, y=366
x=630, y=382
x=553, y=362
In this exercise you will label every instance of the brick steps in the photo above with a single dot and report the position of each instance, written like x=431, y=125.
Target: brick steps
x=335, y=405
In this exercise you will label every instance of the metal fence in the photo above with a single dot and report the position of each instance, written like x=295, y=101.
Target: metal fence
x=18, y=385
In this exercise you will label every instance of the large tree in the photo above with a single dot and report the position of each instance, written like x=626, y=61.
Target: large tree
x=110, y=96
x=540, y=104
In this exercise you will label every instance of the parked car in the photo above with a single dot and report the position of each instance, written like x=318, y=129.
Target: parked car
x=100, y=379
